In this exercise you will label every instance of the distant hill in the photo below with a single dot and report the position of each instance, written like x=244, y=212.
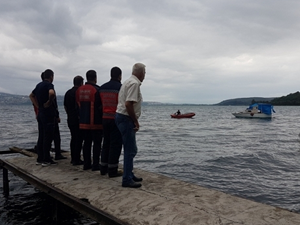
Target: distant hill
x=290, y=99
x=244, y=101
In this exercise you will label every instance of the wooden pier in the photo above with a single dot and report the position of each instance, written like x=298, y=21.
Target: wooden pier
x=160, y=201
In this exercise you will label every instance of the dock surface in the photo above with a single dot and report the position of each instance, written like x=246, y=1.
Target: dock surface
x=161, y=200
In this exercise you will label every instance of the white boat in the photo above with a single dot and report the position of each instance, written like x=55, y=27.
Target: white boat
x=257, y=110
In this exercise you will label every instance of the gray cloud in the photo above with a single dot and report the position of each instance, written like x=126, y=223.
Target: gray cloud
x=195, y=51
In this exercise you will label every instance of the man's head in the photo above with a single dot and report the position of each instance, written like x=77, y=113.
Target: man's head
x=91, y=76
x=78, y=81
x=139, y=71
x=42, y=76
x=48, y=75
x=116, y=73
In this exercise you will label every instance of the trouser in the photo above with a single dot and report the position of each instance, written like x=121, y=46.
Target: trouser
x=46, y=135
x=76, y=141
x=40, y=141
x=91, y=137
x=112, y=145
x=56, y=139
x=126, y=125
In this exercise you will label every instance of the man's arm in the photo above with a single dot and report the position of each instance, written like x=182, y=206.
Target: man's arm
x=33, y=100
x=131, y=113
x=51, y=97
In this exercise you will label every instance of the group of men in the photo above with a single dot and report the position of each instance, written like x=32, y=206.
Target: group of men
x=109, y=112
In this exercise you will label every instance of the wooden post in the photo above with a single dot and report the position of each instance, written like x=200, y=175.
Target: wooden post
x=55, y=211
x=5, y=182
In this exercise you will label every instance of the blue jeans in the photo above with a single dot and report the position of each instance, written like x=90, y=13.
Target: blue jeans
x=126, y=125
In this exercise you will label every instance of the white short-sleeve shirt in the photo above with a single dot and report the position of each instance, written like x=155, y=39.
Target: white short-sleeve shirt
x=130, y=91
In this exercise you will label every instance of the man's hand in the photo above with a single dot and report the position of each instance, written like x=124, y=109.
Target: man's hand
x=137, y=126
x=47, y=104
x=131, y=113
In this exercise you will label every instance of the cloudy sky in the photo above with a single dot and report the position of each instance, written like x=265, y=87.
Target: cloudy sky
x=195, y=51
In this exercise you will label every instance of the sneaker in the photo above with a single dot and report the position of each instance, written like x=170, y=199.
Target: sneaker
x=44, y=164
x=51, y=162
x=38, y=163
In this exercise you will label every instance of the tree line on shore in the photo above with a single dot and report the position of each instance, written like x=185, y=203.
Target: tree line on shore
x=292, y=99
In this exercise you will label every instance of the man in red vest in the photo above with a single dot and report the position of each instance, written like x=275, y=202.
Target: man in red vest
x=90, y=120
x=112, y=138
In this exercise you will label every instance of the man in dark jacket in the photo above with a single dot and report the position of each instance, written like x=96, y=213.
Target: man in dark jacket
x=72, y=111
x=90, y=120
x=112, y=143
x=44, y=98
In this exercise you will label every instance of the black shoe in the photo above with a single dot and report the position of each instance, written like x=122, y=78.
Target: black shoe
x=58, y=157
x=117, y=174
x=96, y=168
x=132, y=185
x=87, y=167
x=103, y=170
x=77, y=163
x=137, y=179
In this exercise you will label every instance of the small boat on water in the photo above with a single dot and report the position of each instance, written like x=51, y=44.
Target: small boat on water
x=184, y=115
x=256, y=110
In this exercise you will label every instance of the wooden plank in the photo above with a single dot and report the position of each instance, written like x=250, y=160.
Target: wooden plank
x=23, y=151
x=81, y=206
x=161, y=200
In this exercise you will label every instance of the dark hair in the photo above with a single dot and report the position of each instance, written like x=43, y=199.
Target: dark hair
x=115, y=72
x=78, y=80
x=91, y=75
x=42, y=76
x=48, y=74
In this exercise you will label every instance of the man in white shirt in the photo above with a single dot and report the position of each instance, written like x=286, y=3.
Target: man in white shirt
x=127, y=115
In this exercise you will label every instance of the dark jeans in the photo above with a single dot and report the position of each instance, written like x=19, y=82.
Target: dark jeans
x=89, y=137
x=126, y=125
x=76, y=141
x=112, y=144
x=46, y=134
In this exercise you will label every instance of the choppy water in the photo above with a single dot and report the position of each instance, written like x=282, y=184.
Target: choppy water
x=253, y=158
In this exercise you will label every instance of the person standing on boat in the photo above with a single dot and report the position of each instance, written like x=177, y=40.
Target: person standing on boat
x=44, y=98
x=90, y=120
x=72, y=110
x=127, y=115
x=112, y=138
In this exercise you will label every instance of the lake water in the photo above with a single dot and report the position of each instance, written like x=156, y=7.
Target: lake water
x=256, y=159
